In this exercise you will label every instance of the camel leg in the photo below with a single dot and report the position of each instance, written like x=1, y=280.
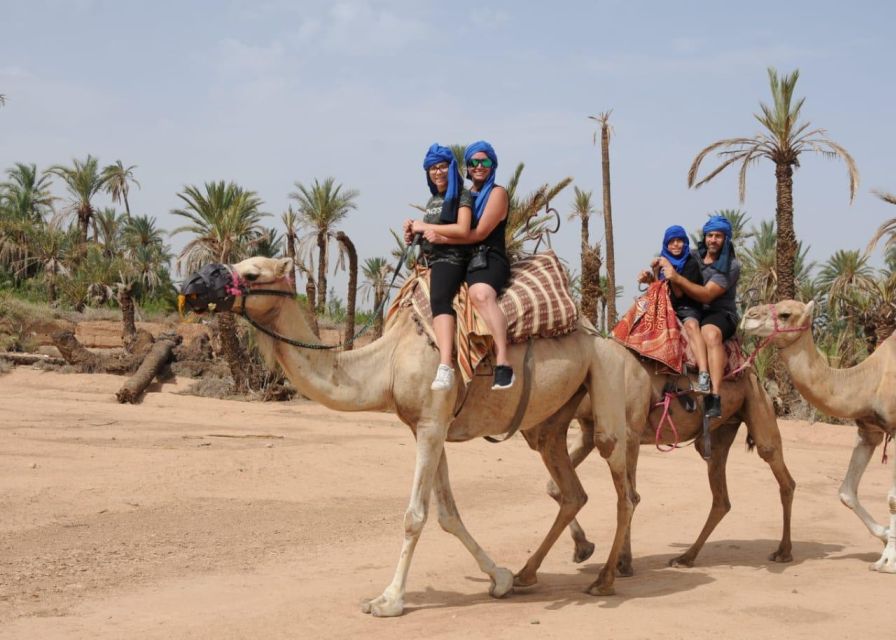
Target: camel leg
x=721, y=440
x=887, y=562
x=430, y=448
x=552, y=447
x=607, y=393
x=449, y=520
x=759, y=414
x=584, y=445
x=868, y=439
x=624, y=566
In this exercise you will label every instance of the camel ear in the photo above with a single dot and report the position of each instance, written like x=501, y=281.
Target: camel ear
x=809, y=309
x=284, y=267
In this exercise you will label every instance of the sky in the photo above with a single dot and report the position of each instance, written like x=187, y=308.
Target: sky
x=270, y=92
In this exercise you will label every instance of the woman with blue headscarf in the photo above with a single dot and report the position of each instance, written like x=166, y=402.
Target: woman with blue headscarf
x=721, y=271
x=488, y=269
x=450, y=209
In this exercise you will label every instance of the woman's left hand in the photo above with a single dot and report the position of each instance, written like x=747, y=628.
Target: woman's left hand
x=434, y=236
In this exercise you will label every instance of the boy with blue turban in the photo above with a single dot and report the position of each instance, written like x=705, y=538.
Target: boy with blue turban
x=721, y=271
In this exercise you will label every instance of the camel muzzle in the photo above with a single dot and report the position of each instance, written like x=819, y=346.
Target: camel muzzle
x=213, y=288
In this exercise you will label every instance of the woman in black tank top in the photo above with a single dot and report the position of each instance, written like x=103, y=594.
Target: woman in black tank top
x=488, y=271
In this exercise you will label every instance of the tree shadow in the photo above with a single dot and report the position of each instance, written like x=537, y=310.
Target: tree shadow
x=653, y=578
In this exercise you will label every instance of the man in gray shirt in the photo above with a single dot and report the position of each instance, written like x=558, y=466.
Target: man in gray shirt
x=721, y=271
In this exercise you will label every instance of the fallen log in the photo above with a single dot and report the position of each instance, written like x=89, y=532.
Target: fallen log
x=29, y=358
x=154, y=362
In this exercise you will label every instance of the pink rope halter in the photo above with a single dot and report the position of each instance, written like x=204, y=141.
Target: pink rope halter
x=776, y=330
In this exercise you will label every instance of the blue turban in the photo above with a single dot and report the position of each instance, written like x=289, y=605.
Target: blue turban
x=482, y=196
x=434, y=155
x=675, y=231
x=719, y=223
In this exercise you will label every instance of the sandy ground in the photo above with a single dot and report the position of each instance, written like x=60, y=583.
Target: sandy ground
x=120, y=521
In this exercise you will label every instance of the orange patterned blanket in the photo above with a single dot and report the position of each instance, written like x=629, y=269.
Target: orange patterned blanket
x=651, y=329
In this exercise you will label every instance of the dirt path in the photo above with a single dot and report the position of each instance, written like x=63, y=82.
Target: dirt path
x=120, y=521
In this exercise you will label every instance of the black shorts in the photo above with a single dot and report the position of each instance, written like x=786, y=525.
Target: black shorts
x=496, y=274
x=724, y=320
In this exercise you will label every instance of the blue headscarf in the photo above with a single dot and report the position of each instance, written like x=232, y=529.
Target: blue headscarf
x=675, y=231
x=482, y=196
x=719, y=223
x=434, y=155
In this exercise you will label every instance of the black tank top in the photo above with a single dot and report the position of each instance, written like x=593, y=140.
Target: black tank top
x=495, y=241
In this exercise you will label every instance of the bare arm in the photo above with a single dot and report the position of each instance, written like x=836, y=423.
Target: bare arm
x=703, y=293
x=495, y=211
x=457, y=229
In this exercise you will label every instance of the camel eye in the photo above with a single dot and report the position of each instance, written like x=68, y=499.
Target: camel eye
x=784, y=316
x=251, y=277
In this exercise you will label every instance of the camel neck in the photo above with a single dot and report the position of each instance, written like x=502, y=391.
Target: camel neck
x=837, y=392
x=358, y=380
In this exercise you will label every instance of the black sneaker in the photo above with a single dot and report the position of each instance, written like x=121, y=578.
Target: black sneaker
x=712, y=406
x=504, y=377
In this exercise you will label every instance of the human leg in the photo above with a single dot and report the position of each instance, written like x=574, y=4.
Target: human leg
x=445, y=280
x=698, y=348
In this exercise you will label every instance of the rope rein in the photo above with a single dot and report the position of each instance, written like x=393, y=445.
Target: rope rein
x=238, y=287
x=776, y=330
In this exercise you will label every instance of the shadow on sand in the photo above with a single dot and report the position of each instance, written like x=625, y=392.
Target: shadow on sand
x=653, y=577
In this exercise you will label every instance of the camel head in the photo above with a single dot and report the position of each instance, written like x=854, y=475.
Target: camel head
x=785, y=321
x=221, y=287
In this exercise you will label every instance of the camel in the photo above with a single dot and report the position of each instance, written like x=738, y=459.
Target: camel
x=865, y=393
x=394, y=373
x=743, y=400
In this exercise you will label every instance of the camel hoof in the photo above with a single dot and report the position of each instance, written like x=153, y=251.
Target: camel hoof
x=682, y=561
x=583, y=552
x=781, y=556
x=600, y=590
x=624, y=570
x=887, y=562
x=383, y=607
x=521, y=581
x=502, y=583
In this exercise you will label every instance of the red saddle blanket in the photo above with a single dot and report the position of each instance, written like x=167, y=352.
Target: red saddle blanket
x=651, y=329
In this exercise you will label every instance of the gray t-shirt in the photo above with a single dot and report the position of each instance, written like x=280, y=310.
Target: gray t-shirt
x=454, y=253
x=728, y=281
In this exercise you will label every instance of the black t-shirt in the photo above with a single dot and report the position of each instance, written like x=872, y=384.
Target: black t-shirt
x=690, y=271
x=454, y=253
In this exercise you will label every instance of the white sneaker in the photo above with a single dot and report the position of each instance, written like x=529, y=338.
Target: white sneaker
x=444, y=378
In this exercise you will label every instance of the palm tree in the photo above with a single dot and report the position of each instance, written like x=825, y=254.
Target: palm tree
x=887, y=228
x=759, y=264
x=782, y=142
x=590, y=256
x=522, y=214
x=118, y=179
x=225, y=221
x=26, y=195
x=83, y=181
x=844, y=276
x=290, y=220
x=107, y=229
x=604, y=120
x=376, y=273
x=322, y=206
x=48, y=244
x=146, y=250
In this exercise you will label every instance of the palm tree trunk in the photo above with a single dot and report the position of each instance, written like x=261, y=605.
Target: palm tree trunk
x=378, y=320
x=232, y=352
x=786, y=245
x=126, y=303
x=127, y=207
x=352, y=288
x=322, y=272
x=590, y=282
x=291, y=254
x=608, y=222
x=84, y=215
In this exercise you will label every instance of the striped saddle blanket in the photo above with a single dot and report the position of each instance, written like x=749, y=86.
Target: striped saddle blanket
x=537, y=304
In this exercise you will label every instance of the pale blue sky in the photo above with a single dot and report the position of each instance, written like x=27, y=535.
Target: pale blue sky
x=270, y=92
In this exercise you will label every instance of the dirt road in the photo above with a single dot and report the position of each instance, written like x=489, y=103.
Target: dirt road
x=185, y=517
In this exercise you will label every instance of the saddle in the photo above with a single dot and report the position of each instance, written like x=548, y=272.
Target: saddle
x=651, y=329
x=537, y=304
